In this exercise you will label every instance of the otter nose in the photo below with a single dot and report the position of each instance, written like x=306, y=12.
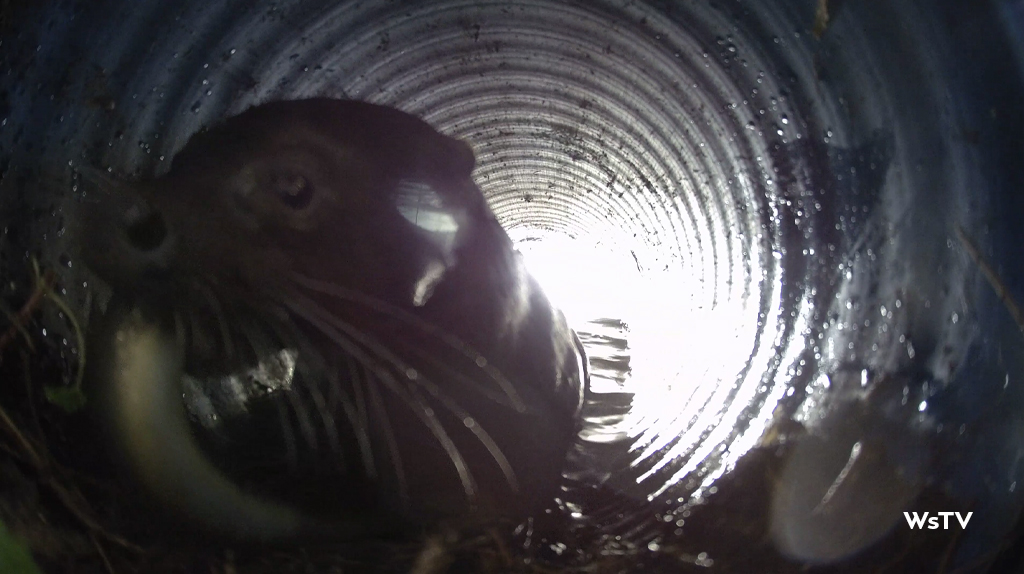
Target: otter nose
x=145, y=228
x=126, y=242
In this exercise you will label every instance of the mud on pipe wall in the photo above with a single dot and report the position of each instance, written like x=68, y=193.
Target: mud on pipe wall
x=767, y=221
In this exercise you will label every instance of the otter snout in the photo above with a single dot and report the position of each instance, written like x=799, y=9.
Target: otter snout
x=127, y=242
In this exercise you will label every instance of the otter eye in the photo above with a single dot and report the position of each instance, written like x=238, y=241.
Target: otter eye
x=295, y=190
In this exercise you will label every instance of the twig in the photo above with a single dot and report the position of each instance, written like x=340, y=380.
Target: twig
x=79, y=338
x=898, y=558
x=102, y=553
x=502, y=547
x=27, y=449
x=993, y=279
x=44, y=289
x=11, y=452
x=433, y=557
x=47, y=289
x=25, y=369
x=73, y=501
x=975, y=565
x=229, y=562
x=22, y=317
x=948, y=553
x=68, y=498
x=821, y=19
x=21, y=328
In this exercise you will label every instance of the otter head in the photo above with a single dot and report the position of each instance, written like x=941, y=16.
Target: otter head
x=342, y=191
x=354, y=235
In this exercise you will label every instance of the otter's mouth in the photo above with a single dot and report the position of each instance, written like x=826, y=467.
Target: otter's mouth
x=140, y=361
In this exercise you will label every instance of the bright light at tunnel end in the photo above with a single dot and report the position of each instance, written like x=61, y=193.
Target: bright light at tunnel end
x=587, y=279
x=685, y=353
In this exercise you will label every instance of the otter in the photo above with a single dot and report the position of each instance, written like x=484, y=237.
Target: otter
x=426, y=375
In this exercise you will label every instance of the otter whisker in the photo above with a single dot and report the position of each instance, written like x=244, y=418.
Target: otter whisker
x=435, y=426
x=436, y=392
x=218, y=312
x=498, y=397
x=259, y=342
x=290, y=447
x=389, y=439
x=330, y=430
x=338, y=400
x=190, y=327
x=471, y=424
x=355, y=411
x=276, y=320
x=310, y=369
x=302, y=414
x=344, y=335
x=474, y=427
x=179, y=329
x=353, y=336
x=381, y=351
x=453, y=342
x=290, y=336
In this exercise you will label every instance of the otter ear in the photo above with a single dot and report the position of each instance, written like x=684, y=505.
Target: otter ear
x=461, y=158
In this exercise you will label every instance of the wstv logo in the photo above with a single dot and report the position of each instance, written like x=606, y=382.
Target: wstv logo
x=918, y=520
